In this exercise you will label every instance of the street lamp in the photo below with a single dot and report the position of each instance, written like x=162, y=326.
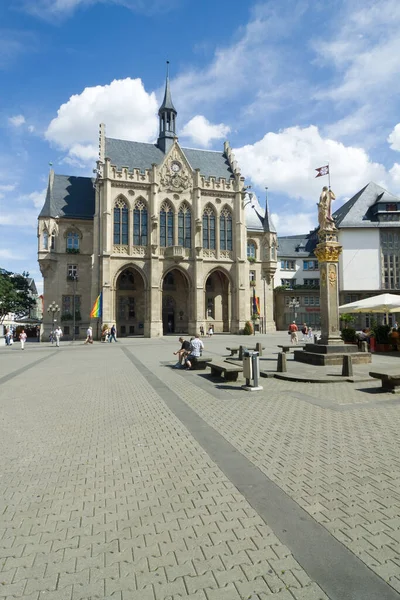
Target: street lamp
x=74, y=279
x=294, y=304
x=53, y=309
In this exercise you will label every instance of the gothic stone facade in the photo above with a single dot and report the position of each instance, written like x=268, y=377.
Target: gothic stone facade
x=164, y=233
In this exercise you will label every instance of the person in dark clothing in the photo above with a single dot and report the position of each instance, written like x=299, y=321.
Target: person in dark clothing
x=182, y=352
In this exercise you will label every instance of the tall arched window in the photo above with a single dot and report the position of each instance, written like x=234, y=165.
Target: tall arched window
x=45, y=240
x=140, y=224
x=72, y=240
x=251, y=250
x=185, y=226
x=209, y=228
x=166, y=225
x=225, y=230
x=120, y=222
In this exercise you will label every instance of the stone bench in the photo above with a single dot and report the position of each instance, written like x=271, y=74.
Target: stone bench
x=236, y=349
x=201, y=363
x=390, y=381
x=227, y=370
x=289, y=347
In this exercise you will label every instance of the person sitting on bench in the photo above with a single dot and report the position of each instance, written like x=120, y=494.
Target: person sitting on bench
x=196, y=348
x=182, y=353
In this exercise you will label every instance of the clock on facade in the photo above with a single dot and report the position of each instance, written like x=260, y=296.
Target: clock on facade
x=175, y=166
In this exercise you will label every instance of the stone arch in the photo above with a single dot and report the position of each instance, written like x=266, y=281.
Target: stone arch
x=217, y=299
x=130, y=285
x=175, y=286
x=121, y=198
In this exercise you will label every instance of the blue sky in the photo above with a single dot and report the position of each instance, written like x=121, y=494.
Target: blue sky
x=291, y=84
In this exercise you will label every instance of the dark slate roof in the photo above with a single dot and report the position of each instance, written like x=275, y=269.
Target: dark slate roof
x=268, y=223
x=355, y=212
x=71, y=197
x=140, y=155
x=297, y=245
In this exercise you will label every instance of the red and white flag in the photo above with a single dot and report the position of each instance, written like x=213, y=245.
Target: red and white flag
x=322, y=171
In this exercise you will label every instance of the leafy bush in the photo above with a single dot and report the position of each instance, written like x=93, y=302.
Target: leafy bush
x=248, y=328
x=381, y=333
x=349, y=334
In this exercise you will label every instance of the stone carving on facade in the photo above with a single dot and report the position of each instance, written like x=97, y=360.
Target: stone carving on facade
x=327, y=253
x=174, y=175
x=332, y=275
x=325, y=219
x=119, y=249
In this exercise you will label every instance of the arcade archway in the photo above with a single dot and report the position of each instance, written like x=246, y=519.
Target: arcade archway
x=175, y=303
x=130, y=303
x=217, y=301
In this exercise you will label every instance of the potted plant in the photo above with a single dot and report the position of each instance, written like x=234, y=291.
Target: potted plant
x=347, y=318
x=248, y=328
x=349, y=335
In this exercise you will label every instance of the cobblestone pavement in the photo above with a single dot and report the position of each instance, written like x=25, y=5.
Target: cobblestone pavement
x=106, y=494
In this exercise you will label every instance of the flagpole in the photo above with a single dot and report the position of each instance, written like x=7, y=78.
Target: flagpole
x=329, y=177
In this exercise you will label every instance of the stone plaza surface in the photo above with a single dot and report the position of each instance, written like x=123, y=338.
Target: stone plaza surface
x=122, y=478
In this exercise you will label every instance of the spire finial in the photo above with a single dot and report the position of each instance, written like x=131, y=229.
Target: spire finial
x=167, y=69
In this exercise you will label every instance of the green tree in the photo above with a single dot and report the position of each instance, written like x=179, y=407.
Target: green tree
x=15, y=296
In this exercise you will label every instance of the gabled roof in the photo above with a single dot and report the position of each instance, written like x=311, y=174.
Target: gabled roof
x=140, y=155
x=355, y=212
x=69, y=197
x=291, y=246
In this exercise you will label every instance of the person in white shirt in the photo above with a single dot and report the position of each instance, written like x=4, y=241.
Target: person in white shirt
x=89, y=336
x=196, y=348
x=58, y=334
x=22, y=339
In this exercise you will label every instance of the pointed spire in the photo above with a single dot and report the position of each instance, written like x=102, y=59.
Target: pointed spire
x=167, y=103
x=269, y=227
x=167, y=116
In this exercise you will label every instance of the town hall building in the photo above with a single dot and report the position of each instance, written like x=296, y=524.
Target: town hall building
x=169, y=236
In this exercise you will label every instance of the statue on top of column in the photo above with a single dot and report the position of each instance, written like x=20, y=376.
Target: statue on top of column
x=325, y=219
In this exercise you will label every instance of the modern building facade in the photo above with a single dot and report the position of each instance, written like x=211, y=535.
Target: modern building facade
x=168, y=235
x=369, y=233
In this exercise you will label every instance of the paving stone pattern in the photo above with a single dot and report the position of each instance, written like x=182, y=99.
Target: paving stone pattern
x=341, y=466
x=104, y=493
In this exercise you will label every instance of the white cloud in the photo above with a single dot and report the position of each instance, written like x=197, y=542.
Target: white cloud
x=17, y=120
x=6, y=188
x=8, y=254
x=47, y=9
x=25, y=208
x=124, y=105
x=394, y=138
x=290, y=223
x=286, y=163
x=202, y=132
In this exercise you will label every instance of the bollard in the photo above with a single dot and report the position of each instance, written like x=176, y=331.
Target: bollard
x=241, y=350
x=364, y=347
x=282, y=363
x=259, y=348
x=347, y=368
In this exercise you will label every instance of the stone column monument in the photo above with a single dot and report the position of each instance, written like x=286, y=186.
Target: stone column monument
x=327, y=252
x=331, y=348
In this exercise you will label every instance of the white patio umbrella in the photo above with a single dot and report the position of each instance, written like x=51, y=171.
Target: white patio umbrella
x=382, y=303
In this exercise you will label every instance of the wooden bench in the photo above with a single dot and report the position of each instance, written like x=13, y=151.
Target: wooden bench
x=227, y=370
x=390, y=381
x=289, y=347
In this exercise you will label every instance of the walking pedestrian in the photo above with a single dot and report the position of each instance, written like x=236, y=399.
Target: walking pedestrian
x=210, y=331
x=8, y=337
x=89, y=336
x=58, y=334
x=293, y=332
x=304, y=331
x=22, y=339
x=201, y=330
x=113, y=333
